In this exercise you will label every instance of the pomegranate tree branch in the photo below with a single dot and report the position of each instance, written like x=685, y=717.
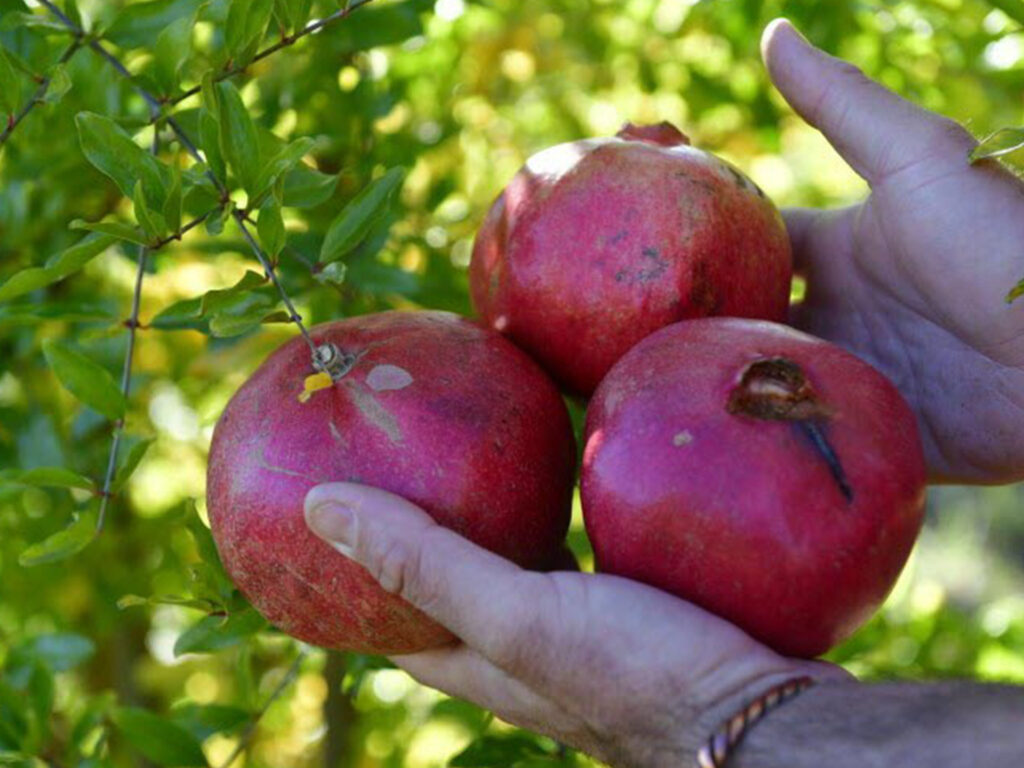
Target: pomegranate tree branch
x=193, y=151
x=284, y=42
x=250, y=728
x=126, y=371
x=39, y=93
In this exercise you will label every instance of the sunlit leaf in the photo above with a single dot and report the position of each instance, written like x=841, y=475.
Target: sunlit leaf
x=129, y=464
x=281, y=163
x=1002, y=142
x=57, y=267
x=171, y=50
x=270, y=227
x=359, y=216
x=64, y=543
x=140, y=24
x=108, y=147
x=87, y=380
x=47, y=477
x=212, y=633
x=246, y=22
x=238, y=139
x=332, y=274
x=60, y=84
x=21, y=20
x=305, y=188
x=160, y=740
x=152, y=223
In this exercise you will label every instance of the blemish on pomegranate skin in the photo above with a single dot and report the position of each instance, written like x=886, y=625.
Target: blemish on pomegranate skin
x=679, y=439
x=386, y=377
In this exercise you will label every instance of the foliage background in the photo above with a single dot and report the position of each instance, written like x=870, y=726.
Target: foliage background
x=459, y=94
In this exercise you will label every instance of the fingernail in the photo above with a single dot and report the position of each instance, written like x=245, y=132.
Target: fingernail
x=335, y=524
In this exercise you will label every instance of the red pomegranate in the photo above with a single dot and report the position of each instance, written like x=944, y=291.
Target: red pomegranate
x=761, y=473
x=595, y=244
x=429, y=406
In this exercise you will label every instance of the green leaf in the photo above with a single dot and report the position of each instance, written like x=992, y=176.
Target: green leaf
x=114, y=229
x=131, y=601
x=171, y=50
x=281, y=163
x=493, y=750
x=88, y=381
x=1015, y=293
x=226, y=299
x=64, y=543
x=270, y=227
x=305, y=188
x=47, y=477
x=179, y=315
x=212, y=633
x=159, y=740
x=175, y=200
x=359, y=216
x=113, y=152
x=1002, y=142
x=226, y=326
x=214, y=224
x=57, y=267
x=10, y=86
x=141, y=23
x=152, y=223
x=130, y=463
x=293, y=14
x=204, y=720
x=35, y=20
x=62, y=652
x=238, y=139
x=246, y=23
x=332, y=274
x=209, y=141
x=59, y=85
x=377, y=26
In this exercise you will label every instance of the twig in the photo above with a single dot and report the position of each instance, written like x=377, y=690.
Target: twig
x=126, y=370
x=250, y=729
x=190, y=147
x=284, y=42
x=39, y=93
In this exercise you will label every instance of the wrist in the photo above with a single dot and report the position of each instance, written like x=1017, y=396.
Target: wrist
x=783, y=681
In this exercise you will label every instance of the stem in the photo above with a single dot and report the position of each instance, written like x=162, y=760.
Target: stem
x=250, y=729
x=284, y=42
x=126, y=370
x=39, y=93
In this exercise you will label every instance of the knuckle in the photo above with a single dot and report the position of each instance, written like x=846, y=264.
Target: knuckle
x=949, y=134
x=392, y=565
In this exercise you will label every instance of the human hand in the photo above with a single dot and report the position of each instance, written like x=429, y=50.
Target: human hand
x=914, y=278
x=620, y=670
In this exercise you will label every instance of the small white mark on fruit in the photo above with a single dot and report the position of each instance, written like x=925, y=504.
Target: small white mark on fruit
x=680, y=439
x=501, y=323
x=387, y=377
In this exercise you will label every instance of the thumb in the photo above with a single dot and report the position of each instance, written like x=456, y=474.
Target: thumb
x=877, y=132
x=471, y=591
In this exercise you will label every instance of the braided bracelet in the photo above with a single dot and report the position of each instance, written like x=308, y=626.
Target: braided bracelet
x=722, y=742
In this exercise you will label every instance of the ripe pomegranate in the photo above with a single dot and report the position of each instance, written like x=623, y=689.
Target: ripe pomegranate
x=761, y=473
x=595, y=244
x=429, y=406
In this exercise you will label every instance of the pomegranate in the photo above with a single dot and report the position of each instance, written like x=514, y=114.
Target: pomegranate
x=424, y=404
x=763, y=474
x=595, y=244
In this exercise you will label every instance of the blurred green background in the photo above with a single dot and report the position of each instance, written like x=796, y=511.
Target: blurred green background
x=459, y=94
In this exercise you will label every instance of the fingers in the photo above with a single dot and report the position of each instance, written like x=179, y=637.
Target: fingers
x=479, y=596
x=877, y=132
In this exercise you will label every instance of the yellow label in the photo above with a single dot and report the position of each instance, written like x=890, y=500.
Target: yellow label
x=314, y=383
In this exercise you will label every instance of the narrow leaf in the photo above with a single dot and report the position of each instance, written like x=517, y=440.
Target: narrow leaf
x=57, y=267
x=224, y=326
x=114, y=229
x=152, y=223
x=211, y=633
x=65, y=543
x=140, y=23
x=357, y=218
x=281, y=163
x=19, y=20
x=129, y=464
x=238, y=139
x=47, y=477
x=159, y=740
x=60, y=84
x=112, y=151
x=10, y=86
x=1002, y=142
x=171, y=50
x=175, y=200
x=270, y=227
x=305, y=188
x=88, y=381
x=246, y=23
